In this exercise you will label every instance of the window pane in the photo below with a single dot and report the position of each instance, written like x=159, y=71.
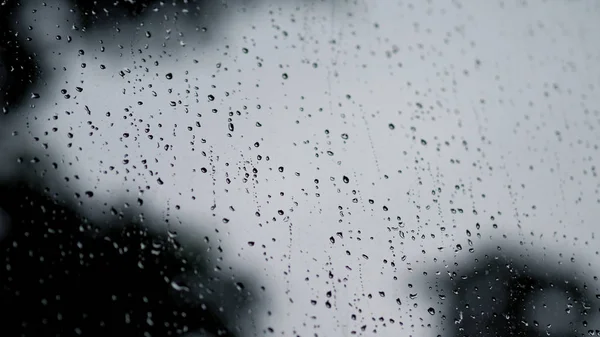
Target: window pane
x=299, y=167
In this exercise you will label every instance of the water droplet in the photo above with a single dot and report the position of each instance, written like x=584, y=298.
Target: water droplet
x=346, y=179
x=284, y=76
x=431, y=311
x=211, y=98
x=179, y=287
x=391, y=126
x=169, y=76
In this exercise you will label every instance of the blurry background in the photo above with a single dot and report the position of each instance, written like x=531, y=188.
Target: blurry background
x=423, y=168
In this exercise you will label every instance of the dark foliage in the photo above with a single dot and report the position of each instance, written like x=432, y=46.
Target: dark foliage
x=63, y=276
x=18, y=69
x=503, y=295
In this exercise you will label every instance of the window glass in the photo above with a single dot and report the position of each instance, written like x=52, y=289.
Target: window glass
x=299, y=168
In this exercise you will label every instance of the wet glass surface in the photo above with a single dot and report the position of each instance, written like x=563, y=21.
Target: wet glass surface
x=299, y=168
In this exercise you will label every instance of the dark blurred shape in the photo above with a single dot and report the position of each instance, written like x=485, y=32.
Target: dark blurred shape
x=18, y=69
x=500, y=294
x=106, y=14
x=62, y=275
x=109, y=12
x=19, y=66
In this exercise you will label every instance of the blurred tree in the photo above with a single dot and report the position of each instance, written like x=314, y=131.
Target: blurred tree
x=18, y=68
x=63, y=275
x=504, y=295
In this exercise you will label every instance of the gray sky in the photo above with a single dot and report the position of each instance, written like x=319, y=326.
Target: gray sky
x=446, y=114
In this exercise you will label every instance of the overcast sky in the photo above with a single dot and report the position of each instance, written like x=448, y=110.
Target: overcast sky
x=396, y=124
